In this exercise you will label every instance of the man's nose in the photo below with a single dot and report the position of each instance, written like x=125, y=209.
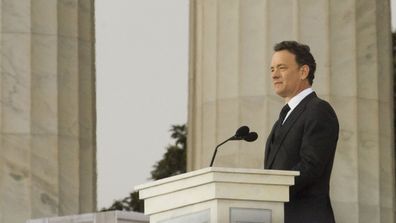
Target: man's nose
x=275, y=74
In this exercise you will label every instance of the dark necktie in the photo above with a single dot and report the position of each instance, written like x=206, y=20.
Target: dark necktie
x=282, y=116
x=283, y=113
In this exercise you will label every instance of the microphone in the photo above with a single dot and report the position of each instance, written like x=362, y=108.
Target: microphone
x=241, y=134
x=251, y=137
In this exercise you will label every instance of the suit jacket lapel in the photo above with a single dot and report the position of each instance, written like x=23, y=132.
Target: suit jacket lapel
x=267, y=145
x=294, y=115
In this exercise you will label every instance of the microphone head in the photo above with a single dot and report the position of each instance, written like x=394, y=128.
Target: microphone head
x=251, y=137
x=242, y=131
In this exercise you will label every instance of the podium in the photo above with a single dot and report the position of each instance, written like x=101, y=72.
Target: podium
x=218, y=195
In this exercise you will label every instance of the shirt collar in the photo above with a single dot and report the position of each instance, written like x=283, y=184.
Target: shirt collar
x=298, y=98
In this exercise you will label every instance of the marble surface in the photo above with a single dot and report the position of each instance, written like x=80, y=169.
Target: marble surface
x=230, y=86
x=47, y=109
x=101, y=217
x=218, y=190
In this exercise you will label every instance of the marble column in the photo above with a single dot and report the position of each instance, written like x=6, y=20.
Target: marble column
x=229, y=85
x=47, y=109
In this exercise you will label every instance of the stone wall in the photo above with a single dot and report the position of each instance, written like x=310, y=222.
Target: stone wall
x=102, y=217
x=230, y=85
x=47, y=109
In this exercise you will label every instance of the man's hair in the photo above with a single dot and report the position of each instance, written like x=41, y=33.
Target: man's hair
x=302, y=53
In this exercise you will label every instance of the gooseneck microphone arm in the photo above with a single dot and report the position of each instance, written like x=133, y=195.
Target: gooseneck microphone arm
x=215, y=152
x=241, y=134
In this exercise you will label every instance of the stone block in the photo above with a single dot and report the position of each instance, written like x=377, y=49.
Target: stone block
x=101, y=217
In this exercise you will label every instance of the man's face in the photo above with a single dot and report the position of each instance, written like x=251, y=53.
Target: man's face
x=288, y=78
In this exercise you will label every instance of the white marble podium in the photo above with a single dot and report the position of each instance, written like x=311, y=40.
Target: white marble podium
x=217, y=194
x=101, y=217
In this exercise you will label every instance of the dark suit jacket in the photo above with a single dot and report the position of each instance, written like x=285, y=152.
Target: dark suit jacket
x=306, y=142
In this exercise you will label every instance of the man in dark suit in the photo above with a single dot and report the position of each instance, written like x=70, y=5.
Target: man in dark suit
x=304, y=138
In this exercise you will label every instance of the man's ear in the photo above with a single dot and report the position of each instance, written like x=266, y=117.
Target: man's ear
x=304, y=71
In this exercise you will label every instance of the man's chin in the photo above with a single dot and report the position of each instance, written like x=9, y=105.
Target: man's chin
x=279, y=92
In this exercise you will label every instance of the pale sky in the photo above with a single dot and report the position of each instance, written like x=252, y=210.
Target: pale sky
x=142, y=68
x=393, y=9
x=141, y=84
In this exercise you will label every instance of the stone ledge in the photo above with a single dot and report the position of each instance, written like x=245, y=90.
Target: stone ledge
x=100, y=217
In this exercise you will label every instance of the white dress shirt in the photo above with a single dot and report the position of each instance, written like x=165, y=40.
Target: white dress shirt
x=296, y=100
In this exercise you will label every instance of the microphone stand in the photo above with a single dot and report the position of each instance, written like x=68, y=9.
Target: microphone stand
x=240, y=134
x=215, y=152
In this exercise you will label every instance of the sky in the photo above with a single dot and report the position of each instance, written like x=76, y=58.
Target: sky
x=393, y=10
x=141, y=84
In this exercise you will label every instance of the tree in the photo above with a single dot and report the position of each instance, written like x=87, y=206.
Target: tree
x=174, y=159
x=130, y=203
x=172, y=163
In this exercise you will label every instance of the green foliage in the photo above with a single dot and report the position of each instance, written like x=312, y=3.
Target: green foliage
x=174, y=159
x=130, y=203
x=172, y=163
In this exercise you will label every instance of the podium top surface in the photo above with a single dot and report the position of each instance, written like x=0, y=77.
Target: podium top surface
x=220, y=170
